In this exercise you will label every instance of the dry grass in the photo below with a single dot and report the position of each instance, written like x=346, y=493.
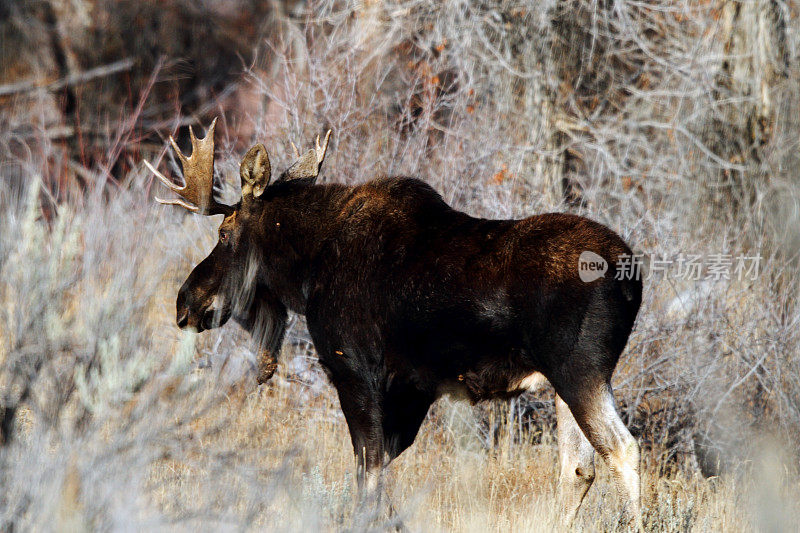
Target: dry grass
x=446, y=482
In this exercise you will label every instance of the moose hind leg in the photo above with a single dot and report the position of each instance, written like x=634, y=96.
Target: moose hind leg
x=595, y=411
x=576, y=461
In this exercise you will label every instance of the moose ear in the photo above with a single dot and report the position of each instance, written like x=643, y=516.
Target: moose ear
x=255, y=171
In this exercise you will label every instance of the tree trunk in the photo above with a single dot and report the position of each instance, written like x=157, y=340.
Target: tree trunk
x=754, y=39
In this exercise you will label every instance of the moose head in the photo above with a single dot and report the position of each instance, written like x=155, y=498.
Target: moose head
x=233, y=279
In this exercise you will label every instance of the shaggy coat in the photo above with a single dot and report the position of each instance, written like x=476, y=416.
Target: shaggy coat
x=407, y=299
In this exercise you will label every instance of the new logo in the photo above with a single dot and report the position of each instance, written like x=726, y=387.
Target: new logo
x=591, y=266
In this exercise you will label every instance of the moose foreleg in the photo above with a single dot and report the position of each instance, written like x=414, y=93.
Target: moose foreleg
x=361, y=401
x=369, y=452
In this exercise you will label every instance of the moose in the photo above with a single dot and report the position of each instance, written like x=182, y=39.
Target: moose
x=408, y=299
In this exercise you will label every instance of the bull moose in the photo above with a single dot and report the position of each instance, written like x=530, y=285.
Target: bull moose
x=408, y=299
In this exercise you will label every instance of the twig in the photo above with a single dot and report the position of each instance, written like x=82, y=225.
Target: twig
x=30, y=86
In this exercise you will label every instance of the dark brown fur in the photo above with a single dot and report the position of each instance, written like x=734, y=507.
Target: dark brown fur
x=406, y=297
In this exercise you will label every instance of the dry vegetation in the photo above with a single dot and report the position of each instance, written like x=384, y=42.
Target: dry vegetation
x=675, y=123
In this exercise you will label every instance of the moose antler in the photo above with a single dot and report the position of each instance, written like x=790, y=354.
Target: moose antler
x=308, y=165
x=198, y=175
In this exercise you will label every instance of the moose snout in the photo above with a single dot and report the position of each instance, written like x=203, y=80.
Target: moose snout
x=216, y=314
x=183, y=318
x=209, y=317
x=200, y=321
x=187, y=319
